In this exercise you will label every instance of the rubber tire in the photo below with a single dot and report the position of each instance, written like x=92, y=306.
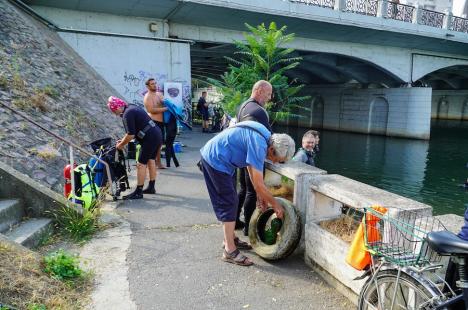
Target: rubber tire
x=289, y=235
x=392, y=274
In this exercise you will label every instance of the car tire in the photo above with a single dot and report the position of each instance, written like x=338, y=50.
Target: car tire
x=288, y=236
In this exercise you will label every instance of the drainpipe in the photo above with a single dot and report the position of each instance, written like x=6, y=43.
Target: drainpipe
x=21, y=5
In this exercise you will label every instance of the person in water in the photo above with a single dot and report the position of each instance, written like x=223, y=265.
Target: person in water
x=307, y=152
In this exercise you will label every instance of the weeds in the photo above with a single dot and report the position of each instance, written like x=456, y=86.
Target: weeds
x=38, y=100
x=3, y=85
x=35, y=306
x=21, y=103
x=79, y=226
x=50, y=91
x=62, y=266
x=24, y=284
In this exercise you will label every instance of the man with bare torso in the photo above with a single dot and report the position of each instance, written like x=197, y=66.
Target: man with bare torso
x=153, y=102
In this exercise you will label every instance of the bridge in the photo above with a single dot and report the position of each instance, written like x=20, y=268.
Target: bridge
x=371, y=66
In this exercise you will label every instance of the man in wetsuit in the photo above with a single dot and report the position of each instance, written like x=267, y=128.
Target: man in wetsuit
x=202, y=107
x=306, y=154
x=252, y=110
x=153, y=102
x=139, y=125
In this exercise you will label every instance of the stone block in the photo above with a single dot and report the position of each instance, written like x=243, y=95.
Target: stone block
x=329, y=252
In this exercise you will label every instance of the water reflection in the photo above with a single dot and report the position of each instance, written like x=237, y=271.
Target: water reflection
x=426, y=171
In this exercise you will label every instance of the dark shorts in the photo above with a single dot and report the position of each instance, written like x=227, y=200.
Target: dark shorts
x=150, y=145
x=205, y=115
x=163, y=130
x=222, y=191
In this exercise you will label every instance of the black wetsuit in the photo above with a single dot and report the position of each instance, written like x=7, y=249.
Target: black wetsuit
x=135, y=119
x=171, y=133
x=250, y=110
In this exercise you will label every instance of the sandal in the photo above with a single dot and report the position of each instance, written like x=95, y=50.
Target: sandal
x=237, y=258
x=241, y=245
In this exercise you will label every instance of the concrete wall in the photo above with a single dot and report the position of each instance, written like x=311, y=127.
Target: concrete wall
x=399, y=112
x=36, y=197
x=125, y=62
x=450, y=104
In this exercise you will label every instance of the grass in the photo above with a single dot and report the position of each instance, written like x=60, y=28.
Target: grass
x=38, y=100
x=50, y=91
x=63, y=266
x=3, y=81
x=25, y=285
x=21, y=104
x=78, y=226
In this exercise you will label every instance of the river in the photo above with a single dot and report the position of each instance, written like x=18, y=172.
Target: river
x=427, y=171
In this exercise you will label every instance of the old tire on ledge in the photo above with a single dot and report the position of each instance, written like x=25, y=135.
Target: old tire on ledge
x=288, y=236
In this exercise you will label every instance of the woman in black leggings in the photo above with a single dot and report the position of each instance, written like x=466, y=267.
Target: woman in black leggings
x=171, y=133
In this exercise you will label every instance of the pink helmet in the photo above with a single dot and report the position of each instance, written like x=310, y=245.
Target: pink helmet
x=115, y=103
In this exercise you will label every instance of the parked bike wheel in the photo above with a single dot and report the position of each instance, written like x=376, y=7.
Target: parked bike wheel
x=378, y=292
x=286, y=239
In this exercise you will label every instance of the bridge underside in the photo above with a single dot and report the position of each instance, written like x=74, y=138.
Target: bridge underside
x=208, y=61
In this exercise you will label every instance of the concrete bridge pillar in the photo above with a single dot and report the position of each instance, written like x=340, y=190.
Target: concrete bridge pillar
x=399, y=112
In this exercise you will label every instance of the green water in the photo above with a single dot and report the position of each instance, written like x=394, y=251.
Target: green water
x=426, y=171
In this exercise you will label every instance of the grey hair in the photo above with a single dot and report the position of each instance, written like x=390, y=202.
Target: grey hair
x=283, y=145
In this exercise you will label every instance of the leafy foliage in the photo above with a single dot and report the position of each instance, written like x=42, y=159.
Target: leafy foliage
x=262, y=57
x=62, y=265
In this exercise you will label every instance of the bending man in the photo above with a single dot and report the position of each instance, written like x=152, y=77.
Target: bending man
x=245, y=145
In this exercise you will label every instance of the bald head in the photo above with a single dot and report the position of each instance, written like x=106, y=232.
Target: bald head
x=261, y=92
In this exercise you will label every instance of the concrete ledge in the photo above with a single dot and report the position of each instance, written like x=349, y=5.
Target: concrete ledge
x=329, y=252
x=452, y=222
x=293, y=169
x=354, y=194
x=36, y=197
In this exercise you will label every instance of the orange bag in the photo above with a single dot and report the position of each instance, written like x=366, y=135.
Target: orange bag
x=358, y=257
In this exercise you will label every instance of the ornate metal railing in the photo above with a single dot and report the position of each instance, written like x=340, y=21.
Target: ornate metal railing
x=322, y=3
x=397, y=11
x=366, y=7
x=432, y=18
x=401, y=12
x=459, y=24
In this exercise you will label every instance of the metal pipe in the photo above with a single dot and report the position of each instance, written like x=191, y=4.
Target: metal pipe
x=72, y=173
x=51, y=25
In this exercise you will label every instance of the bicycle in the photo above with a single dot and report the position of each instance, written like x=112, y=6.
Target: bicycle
x=408, y=253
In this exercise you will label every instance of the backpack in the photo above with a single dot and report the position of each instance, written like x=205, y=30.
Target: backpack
x=86, y=191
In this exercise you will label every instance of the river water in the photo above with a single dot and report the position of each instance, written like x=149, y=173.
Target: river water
x=427, y=171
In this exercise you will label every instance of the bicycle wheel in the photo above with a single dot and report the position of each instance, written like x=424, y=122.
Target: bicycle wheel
x=379, y=292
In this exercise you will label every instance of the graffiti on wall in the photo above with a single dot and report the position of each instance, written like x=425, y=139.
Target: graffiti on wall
x=134, y=85
x=135, y=89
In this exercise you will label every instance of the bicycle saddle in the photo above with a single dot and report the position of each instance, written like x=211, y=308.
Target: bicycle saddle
x=446, y=242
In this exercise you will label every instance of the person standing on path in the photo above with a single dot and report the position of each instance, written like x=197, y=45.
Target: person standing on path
x=153, y=102
x=139, y=125
x=253, y=110
x=245, y=145
x=202, y=107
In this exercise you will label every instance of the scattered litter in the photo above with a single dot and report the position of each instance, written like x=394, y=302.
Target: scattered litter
x=245, y=306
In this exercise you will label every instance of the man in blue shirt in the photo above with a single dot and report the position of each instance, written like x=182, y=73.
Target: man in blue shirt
x=245, y=145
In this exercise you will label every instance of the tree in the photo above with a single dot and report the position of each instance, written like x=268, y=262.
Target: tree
x=262, y=57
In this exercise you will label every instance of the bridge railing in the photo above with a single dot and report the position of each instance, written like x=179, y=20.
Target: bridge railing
x=402, y=12
x=396, y=11
x=459, y=24
x=366, y=7
x=322, y=3
x=431, y=18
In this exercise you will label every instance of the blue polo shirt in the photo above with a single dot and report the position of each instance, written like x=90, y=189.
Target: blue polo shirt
x=237, y=147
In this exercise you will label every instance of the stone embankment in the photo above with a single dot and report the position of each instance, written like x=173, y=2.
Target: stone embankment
x=44, y=78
